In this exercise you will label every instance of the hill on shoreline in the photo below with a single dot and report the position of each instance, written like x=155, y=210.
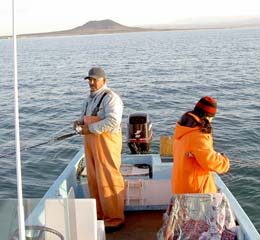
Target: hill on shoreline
x=108, y=26
x=92, y=27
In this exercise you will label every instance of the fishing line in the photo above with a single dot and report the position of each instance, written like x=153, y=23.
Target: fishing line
x=247, y=164
x=60, y=138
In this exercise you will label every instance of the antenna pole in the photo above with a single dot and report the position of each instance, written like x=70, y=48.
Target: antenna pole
x=20, y=207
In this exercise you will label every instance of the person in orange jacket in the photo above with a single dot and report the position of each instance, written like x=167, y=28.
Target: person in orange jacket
x=100, y=124
x=194, y=156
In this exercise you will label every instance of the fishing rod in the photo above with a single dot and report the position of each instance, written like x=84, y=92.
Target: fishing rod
x=43, y=143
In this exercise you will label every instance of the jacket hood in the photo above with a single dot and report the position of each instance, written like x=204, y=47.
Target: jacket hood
x=181, y=131
x=189, y=123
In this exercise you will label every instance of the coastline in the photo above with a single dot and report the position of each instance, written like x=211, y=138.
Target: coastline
x=111, y=27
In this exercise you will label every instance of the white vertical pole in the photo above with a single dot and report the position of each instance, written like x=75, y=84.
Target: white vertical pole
x=20, y=207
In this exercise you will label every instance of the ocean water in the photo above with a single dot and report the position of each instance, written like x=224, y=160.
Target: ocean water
x=161, y=73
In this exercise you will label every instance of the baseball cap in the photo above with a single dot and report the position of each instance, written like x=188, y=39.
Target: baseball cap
x=96, y=73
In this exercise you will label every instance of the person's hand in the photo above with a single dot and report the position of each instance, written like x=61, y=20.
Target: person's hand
x=76, y=124
x=85, y=130
x=82, y=129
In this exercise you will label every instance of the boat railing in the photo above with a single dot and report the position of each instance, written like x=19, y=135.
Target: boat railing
x=243, y=220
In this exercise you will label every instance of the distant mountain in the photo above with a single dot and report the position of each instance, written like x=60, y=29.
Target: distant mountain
x=104, y=26
x=91, y=27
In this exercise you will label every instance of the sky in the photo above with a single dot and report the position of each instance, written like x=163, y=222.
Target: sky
x=34, y=16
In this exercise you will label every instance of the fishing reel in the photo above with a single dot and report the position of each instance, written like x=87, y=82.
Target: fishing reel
x=78, y=129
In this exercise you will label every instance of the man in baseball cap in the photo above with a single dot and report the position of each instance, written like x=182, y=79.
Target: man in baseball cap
x=100, y=126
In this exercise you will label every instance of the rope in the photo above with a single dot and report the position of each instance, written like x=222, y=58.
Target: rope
x=38, y=228
x=80, y=168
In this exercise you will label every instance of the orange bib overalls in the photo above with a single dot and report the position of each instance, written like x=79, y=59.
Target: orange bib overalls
x=106, y=184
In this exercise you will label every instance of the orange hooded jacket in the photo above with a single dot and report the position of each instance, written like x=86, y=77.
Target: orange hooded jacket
x=195, y=160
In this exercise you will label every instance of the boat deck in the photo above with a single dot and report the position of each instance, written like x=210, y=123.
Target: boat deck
x=139, y=225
